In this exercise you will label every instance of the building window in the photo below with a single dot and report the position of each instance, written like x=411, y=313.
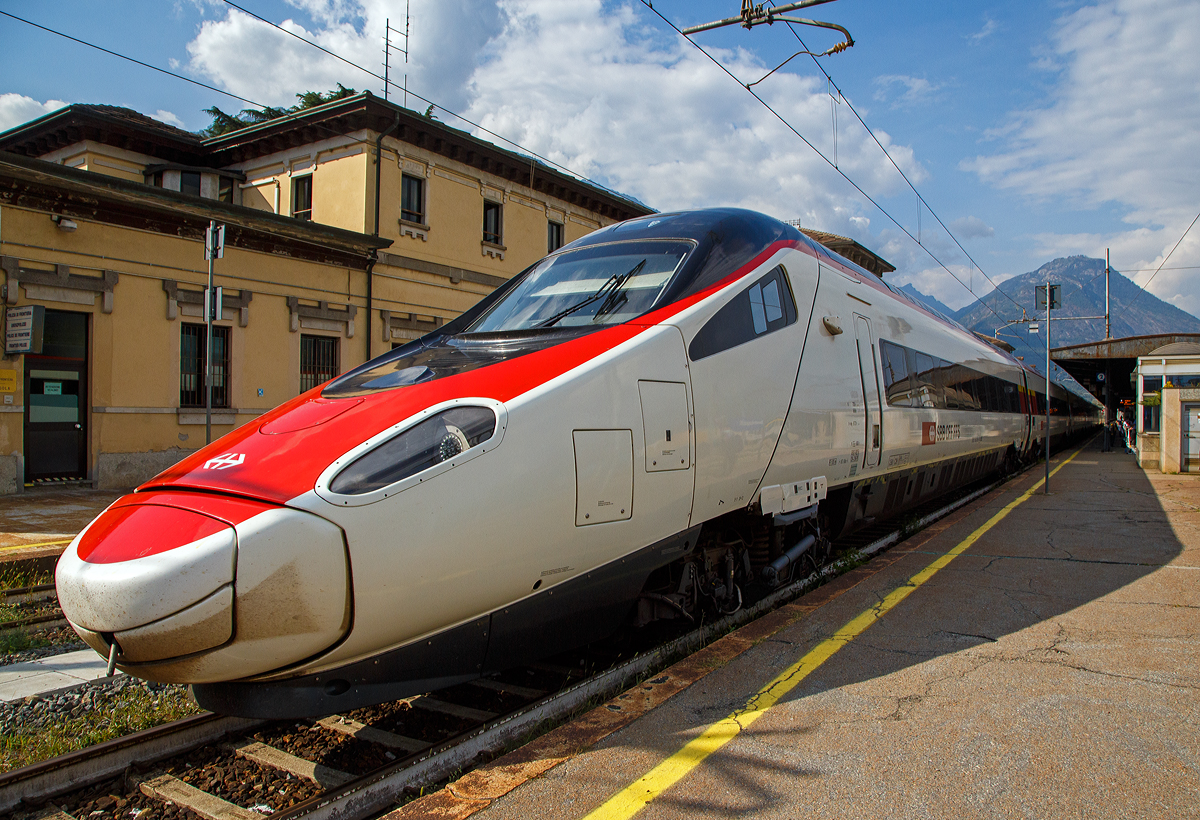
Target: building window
x=318, y=360
x=302, y=197
x=192, y=364
x=224, y=189
x=189, y=182
x=491, y=222
x=554, y=236
x=412, y=199
x=1151, y=404
x=157, y=179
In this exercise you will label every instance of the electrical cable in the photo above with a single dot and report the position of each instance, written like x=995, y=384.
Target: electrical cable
x=282, y=118
x=818, y=152
x=899, y=169
x=409, y=91
x=298, y=114
x=1160, y=267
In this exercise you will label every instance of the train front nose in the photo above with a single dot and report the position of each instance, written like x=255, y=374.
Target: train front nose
x=194, y=588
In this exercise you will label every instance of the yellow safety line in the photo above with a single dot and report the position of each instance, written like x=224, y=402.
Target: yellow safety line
x=633, y=798
x=39, y=544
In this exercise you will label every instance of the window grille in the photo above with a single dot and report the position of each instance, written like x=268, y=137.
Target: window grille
x=192, y=362
x=318, y=360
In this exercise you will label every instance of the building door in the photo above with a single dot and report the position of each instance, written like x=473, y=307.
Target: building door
x=1191, y=439
x=56, y=400
x=870, y=383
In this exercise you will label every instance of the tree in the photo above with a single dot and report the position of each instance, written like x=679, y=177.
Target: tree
x=223, y=123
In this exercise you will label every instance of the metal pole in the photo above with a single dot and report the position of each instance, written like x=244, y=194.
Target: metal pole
x=1047, y=387
x=1107, y=314
x=387, y=47
x=211, y=240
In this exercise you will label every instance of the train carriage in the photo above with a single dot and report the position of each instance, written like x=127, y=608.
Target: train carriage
x=640, y=426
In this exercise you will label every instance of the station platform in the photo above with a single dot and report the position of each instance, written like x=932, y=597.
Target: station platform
x=40, y=522
x=1030, y=655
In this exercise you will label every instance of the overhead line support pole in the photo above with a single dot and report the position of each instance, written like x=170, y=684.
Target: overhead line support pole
x=1048, y=301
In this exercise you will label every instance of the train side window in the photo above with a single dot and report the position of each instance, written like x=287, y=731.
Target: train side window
x=928, y=386
x=764, y=307
x=895, y=374
x=1010, y=397
x=970, y=390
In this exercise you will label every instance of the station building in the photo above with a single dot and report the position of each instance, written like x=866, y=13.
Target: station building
x=350, y=228
x=1168, y=391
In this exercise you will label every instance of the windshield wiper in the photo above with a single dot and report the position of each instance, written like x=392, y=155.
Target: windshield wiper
x=612, y=287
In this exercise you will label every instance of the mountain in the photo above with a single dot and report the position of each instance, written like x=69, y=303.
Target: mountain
x=927, y=299
x=1134, y=311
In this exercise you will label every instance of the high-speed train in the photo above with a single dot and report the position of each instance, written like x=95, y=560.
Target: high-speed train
x=636, y=427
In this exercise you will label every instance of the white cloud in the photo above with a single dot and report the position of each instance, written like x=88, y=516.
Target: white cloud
x=1119, y=129
x=912, y=90
x=972, y=227
x=168, y=118
x=17, y=109
x=261, y=63
x=989, y=28
x=600, y=87
x=602, y=90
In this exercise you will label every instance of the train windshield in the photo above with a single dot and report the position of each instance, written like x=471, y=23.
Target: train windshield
x=599, y=285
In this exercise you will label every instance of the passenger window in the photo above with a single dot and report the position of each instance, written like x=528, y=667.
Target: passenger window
x=895, y=374
x=764, y=307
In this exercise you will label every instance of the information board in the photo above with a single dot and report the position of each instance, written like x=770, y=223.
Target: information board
x=23, y=329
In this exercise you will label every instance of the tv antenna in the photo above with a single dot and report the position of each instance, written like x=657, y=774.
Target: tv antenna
x=388, y=48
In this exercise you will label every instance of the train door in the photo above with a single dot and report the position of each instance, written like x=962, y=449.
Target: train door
x=868, y=368
x=1190, y=462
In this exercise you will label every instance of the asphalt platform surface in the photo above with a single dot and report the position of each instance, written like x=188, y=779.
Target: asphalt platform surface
x=41, y=521
x=1050, y=670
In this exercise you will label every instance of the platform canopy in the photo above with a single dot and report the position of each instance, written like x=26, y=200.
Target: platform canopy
x=1111, y=362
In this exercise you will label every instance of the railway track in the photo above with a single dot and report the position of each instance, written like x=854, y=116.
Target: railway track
x=30, y=609
x=367, y=760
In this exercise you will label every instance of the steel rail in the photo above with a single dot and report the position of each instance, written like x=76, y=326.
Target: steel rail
x=50, y=778
x=385, y=787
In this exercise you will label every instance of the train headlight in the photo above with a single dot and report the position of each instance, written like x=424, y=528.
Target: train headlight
x=437, y=439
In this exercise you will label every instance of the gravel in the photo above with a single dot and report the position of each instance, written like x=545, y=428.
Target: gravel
x=39, y=727
x=47, y=642
x=116, y=799
x=241, y=781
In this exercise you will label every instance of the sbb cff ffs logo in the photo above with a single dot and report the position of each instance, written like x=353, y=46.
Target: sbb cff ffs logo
x=225, y=461
x=932, y=432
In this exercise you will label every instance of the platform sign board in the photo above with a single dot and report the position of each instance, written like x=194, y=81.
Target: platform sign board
x=23, y=328
x=8, y=381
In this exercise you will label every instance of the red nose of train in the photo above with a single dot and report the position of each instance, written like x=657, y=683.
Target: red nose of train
x=200, y=587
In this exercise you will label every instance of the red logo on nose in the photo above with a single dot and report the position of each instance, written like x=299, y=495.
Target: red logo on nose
x=928, y=432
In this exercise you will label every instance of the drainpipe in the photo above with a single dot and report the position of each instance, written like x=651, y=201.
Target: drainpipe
x=371, y=264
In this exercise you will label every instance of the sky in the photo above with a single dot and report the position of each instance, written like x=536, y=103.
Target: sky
x=1031, y=130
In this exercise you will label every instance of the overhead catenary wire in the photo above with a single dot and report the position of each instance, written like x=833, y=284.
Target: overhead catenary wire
x=820, y=154
x=899, y=170
x=282, y=118
x=410, y=92
x=296, y=115
x=1146, y=286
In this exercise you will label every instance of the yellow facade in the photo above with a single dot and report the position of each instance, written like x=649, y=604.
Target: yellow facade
x=128, y=258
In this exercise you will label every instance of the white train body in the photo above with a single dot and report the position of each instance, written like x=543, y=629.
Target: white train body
x=585, y=463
